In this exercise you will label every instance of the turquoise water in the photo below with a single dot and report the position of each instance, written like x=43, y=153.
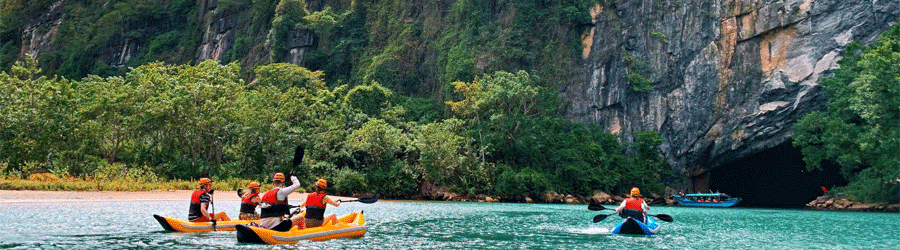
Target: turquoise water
x=456, y=225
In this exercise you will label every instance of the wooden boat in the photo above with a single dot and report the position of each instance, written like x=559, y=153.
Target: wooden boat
x=706, y=200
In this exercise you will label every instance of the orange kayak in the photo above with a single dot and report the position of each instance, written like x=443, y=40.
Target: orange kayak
x=348, y=226
x=176, y=225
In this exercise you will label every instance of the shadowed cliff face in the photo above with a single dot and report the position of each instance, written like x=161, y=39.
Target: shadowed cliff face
x=731, y=77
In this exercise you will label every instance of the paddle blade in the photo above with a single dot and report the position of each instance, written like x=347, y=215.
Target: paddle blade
x=595, y=207
x=369, y=199
x=664, y=217
x=298, y=155
x=240, y=192
x=600, y=217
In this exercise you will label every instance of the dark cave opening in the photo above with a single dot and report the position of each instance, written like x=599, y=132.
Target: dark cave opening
x=775, y=177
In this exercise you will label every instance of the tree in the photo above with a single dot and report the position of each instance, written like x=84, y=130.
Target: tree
x=860, y=131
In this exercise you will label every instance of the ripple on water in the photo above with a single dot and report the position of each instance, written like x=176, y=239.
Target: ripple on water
x=457, y=225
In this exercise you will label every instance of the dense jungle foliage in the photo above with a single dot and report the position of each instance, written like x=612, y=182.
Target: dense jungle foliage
x=860, y=130
x=162, y=122
x=368, y=105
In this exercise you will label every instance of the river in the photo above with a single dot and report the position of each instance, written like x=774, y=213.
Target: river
x=455, y=225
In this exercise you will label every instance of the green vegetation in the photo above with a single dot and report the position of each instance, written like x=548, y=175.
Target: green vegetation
x=659, y=36
x=860, y=131
x=160, y=123
x=637, y=71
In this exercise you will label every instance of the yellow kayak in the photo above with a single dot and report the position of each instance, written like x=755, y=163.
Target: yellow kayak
x=348, y=226
x=176, y=225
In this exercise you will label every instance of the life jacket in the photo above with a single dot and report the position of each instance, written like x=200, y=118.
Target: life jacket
x=315, y=206
x=247, y=206
x=194, y=210
x=634, y=204
x=276, y=207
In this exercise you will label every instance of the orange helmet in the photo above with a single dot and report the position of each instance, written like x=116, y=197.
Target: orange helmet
x=204, y=181
x=635, y=191
x=278, y=177
x=322, y=183
x=253, y=185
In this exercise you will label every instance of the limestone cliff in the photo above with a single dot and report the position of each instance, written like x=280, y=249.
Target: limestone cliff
x=731, y=77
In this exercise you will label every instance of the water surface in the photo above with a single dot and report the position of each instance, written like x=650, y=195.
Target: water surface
x=455, y=225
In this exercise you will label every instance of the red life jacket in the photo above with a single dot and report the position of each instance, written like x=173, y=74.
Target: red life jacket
x=194, y=210
x=634, y=204
x=315, y=206
x=247, y=205
x=277, y=208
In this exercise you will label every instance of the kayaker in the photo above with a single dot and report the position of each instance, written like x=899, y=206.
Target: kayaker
x=315, y=206
x=200, y=200
x=274, y=208
x=249, y=201
x=634, y=206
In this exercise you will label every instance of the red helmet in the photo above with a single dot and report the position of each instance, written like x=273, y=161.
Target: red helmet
x=253, y=185
x=278, y=177
x=204, y=181
x=322, y=183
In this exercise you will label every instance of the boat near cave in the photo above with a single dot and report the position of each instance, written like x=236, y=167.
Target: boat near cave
x=706, y=200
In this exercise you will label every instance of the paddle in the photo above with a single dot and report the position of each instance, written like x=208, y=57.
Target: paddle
x=600, y=217
x=365, y=199
x=213, y=204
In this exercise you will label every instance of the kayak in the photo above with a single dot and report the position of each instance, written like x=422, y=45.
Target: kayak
x=176, y=225
x=632, y=226
x=348, y=226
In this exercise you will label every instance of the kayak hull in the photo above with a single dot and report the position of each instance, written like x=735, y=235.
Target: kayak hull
x=352, y=225
x=632, y=226
x=177, y=225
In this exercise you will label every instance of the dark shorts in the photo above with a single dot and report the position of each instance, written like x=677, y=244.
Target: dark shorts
x=313, y=223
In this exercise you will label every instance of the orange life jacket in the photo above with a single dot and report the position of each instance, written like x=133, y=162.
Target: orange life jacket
x=634, y=204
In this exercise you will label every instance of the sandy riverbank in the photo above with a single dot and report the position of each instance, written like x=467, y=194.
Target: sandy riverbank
x=16, y=196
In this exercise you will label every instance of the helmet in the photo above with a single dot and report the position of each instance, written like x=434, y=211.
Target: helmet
x=278, y=177
x=253, y=185
x=322, y=183
x=204, y=181
x=635, y=191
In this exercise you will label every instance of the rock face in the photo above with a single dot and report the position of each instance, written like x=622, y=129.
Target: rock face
x=731, y=77
x=224, y=26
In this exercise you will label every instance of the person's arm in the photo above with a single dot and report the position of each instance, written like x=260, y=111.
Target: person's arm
x=256, y=200
x=284, y=192
x=204, y=203
x=645, y=207
x=622, y=206
x=332, y=202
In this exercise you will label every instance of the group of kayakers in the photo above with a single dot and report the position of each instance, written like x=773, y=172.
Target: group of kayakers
x=273, y=204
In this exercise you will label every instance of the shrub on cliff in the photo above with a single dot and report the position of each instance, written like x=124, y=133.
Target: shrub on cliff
x=859, y=130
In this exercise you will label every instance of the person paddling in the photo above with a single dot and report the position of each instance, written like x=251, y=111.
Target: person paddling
x=315, y=206
x=249, y=200
x=274, y=207
x=634, y=206
x=200, y=200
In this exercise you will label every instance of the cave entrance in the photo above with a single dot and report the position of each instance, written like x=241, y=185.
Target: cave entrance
x=775, y=177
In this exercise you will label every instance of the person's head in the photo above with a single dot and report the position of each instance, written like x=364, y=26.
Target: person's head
x=254, y=187
x=321, y=185
x=278, y=180
x=635, y=192
x=205, y=183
